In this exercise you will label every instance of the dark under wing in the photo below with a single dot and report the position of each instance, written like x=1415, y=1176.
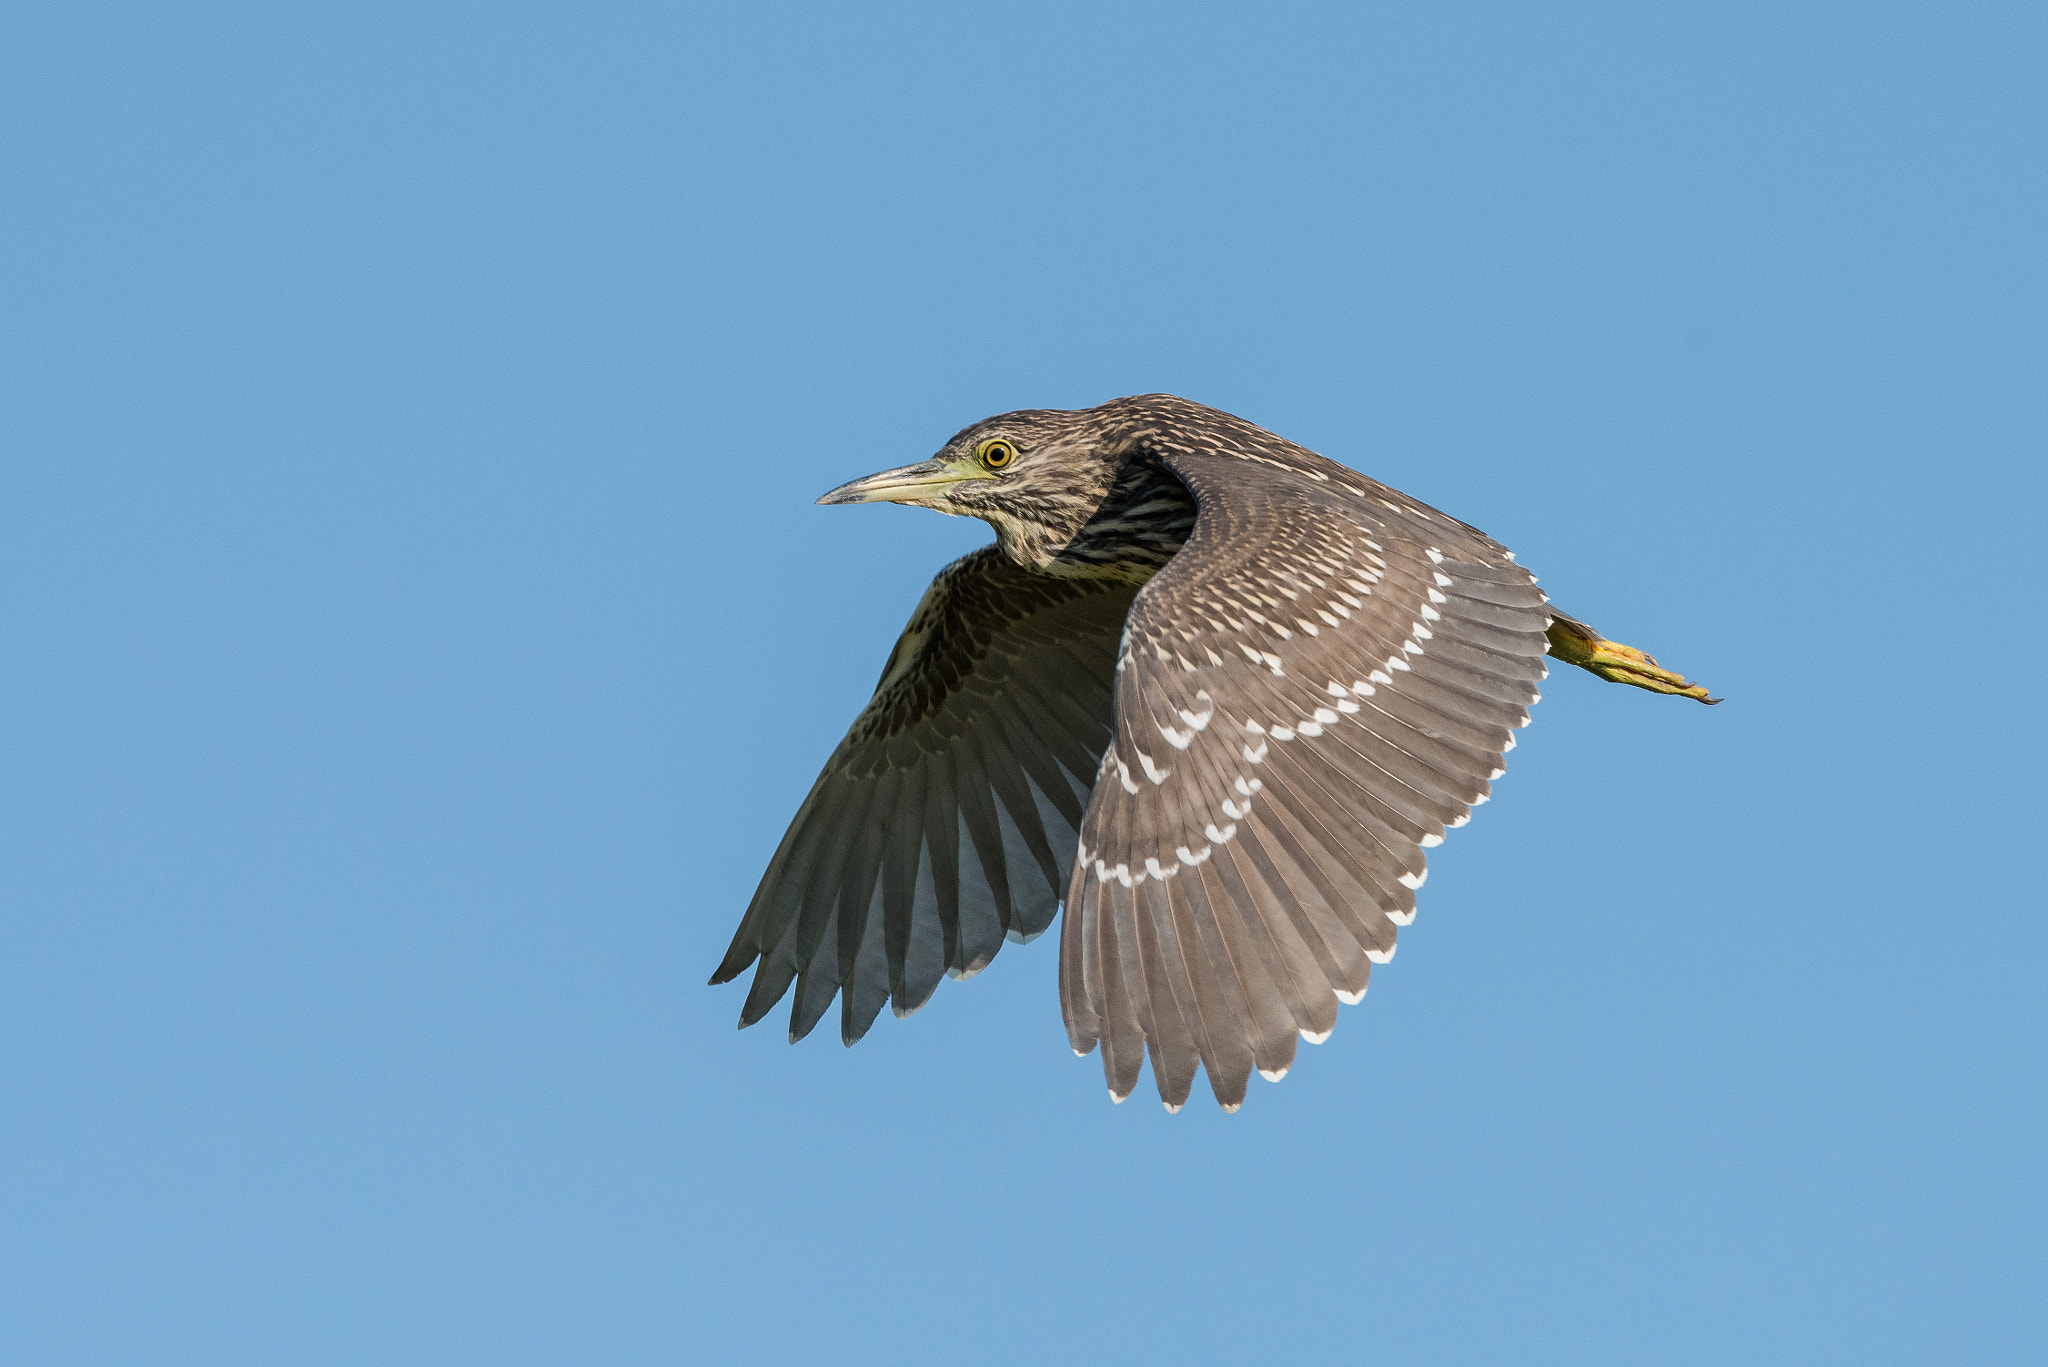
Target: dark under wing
x=946, y=819
x=1320, y=684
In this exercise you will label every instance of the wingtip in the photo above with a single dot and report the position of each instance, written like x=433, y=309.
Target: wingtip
x=732, y=965
x=903, y=1011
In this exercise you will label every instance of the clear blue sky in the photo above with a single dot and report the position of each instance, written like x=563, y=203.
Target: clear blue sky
x=416, y=632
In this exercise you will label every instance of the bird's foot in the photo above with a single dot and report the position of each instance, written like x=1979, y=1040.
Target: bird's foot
x=1576, y=643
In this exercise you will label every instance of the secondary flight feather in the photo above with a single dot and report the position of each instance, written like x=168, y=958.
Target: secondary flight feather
x=1211, y=692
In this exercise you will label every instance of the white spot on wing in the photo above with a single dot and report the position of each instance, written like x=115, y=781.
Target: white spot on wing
x=1412, y=881
x=1314, y=1038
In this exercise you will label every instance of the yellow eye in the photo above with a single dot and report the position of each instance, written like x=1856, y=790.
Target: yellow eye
x=995, y=453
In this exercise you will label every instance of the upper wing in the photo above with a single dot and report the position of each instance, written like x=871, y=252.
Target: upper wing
x=947, y=817
x=1319, y=684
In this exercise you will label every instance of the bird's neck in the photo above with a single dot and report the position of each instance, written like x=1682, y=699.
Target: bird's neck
x=1128, y=532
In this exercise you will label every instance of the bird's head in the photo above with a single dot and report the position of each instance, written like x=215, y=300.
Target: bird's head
x=1036, y=476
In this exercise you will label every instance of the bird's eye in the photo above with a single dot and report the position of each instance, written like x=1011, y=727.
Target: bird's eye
x=995, y=453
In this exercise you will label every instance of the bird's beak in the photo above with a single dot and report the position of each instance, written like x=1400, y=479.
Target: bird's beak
x=912, y=484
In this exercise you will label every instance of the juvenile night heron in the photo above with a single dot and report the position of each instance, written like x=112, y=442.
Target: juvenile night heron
x=1212, y=691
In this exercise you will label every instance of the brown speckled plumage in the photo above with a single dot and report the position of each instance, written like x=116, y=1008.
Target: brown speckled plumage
x=1247, y=685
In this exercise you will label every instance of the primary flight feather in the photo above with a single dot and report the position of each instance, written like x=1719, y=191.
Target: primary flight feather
x=1211, y=691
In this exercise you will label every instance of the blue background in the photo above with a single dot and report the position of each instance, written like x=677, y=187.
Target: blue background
x=417, y=632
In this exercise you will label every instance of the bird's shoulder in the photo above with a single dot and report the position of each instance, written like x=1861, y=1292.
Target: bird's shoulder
x=1246, y=480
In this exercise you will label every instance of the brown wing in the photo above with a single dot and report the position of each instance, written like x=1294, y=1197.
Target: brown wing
x=946, y=819
x=1320, y=684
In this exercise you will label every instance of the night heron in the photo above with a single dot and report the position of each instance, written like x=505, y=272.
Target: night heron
x=1212, y=691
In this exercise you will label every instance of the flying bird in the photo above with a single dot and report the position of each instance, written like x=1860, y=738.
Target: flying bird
x=1211, y=691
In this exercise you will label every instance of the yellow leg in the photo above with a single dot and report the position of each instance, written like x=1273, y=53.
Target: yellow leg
x=1576, y=643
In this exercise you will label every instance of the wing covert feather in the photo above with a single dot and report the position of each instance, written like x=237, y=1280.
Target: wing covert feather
x=1318, y=686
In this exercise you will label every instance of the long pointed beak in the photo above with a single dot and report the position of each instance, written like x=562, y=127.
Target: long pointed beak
x=910, y=484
